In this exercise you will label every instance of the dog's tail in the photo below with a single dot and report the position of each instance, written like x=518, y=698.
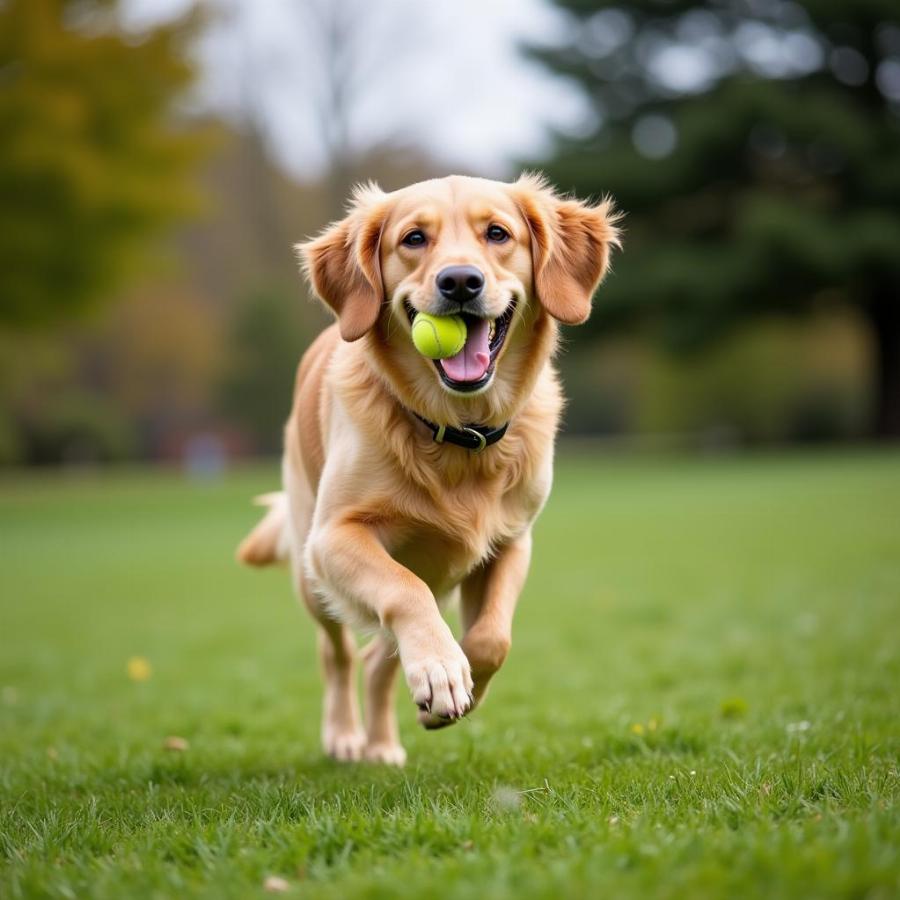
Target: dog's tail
x=269, y=542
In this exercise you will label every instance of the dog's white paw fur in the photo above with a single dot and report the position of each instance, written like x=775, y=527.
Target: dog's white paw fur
x=344, y=745
x=388, y=753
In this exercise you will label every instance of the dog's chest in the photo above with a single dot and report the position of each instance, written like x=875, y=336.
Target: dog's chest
x=440, y=563
x=442, y=542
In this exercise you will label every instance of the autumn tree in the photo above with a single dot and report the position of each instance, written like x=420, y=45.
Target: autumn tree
x=93, y=159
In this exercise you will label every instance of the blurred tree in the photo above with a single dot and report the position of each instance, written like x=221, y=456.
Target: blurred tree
x=335, y=50
x=92, y=161
x=266, y=342
x=754, y=145
x=111, y=386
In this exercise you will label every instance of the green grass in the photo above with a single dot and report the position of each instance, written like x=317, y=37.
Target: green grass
x=702, y=699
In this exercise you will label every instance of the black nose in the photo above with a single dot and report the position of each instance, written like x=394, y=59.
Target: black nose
x=460, y=283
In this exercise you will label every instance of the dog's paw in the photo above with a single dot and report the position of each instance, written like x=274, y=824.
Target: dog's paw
x=344, y=745
x=388, y=753
x=431, y=722
x=441, y=685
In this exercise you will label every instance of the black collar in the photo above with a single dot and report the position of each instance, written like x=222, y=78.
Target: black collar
x=469, y=437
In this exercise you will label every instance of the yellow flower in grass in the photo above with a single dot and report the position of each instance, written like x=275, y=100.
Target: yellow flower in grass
x=733, y=708
x=139, y=669
x=640, y=729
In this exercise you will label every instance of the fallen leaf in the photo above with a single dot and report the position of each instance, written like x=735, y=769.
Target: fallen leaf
x=139, y=669
x=275, y=884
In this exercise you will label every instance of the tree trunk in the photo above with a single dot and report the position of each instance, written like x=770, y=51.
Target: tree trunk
x=884, y=316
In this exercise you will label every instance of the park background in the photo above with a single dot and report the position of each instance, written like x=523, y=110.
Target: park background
x=160, y=159
x=701, y=696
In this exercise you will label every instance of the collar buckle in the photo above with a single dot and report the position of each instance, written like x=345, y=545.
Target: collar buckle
x=479, y=437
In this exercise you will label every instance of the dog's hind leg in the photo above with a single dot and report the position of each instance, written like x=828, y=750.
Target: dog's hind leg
x=343, y=737
x=380, y=664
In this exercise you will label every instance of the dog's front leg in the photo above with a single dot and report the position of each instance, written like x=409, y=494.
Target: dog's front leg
x=355, y=570
x=488, y=602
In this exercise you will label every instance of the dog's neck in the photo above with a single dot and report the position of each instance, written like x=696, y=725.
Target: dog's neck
x=391, y=424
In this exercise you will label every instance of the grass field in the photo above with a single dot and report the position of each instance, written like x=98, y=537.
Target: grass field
x=701, y=701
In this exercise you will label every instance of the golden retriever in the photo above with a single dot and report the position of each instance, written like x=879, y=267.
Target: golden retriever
x=409, y=482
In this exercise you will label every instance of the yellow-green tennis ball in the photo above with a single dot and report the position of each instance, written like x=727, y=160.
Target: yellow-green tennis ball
x=438, y=337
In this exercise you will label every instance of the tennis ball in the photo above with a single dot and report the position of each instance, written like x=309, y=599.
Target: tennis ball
x=438, y=337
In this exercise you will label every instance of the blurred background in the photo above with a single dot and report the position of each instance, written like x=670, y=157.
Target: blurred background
x=159, y=158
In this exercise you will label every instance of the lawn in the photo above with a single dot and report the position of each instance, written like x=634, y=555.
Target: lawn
x=702, y=699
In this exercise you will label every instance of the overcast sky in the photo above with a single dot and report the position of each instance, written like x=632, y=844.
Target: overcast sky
x=445, y=75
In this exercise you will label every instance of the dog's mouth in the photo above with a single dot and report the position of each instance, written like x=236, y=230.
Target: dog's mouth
x=473, y=367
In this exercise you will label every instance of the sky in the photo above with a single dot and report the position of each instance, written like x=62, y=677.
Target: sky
x=449, y=76
x=446, y=76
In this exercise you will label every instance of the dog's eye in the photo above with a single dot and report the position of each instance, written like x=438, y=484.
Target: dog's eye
x=414, y=238
x=497, y=234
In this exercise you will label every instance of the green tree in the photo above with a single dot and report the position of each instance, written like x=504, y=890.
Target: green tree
x=266, y=342
x=755, y=148
x=92, y=159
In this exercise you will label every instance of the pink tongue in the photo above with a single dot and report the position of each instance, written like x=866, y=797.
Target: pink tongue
x=473, y=360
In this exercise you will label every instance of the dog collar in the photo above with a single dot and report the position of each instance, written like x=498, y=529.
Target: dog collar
x=469, y=437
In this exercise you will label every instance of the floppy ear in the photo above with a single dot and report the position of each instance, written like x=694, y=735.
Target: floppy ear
x=343, y=267
x=571, y=243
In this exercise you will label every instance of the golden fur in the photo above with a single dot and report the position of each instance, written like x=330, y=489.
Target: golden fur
x=381, y=523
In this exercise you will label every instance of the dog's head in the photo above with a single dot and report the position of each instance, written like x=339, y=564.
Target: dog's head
x=508, y=258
